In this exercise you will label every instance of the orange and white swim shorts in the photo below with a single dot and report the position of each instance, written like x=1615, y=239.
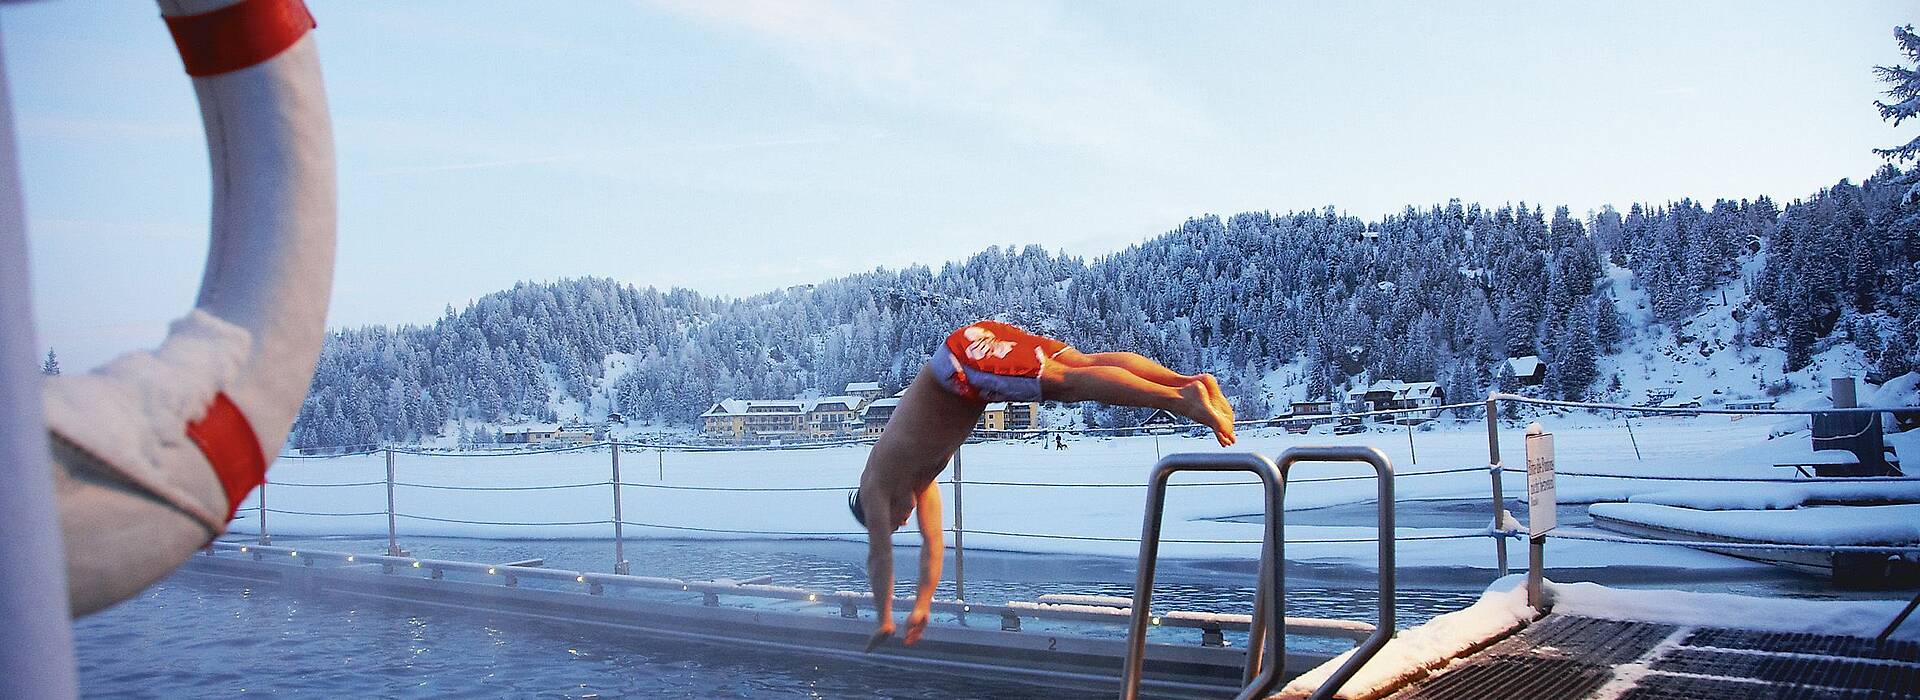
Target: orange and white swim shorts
x=993, y=361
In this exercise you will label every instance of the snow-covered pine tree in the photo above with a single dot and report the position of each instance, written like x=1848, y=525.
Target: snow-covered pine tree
x=51, y=367
x=1903, y=87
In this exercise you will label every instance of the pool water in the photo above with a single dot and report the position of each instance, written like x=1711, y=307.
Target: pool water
x=199, y=636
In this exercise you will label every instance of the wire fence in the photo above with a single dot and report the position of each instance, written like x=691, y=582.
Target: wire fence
x=1499, y=474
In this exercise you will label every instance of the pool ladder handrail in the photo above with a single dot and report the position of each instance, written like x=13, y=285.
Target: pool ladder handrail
x=1265, y=661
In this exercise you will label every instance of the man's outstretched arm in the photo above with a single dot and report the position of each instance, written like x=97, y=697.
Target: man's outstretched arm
x=880, y=567
x=933, y=552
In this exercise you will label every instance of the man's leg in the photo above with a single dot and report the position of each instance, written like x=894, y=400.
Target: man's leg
x=1146, y=368
x=1136, y=363
x=1120, y=387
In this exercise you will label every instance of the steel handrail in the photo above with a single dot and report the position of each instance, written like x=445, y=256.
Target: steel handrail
x=1265, y=661
x=1272, y=618
x=1384, y=629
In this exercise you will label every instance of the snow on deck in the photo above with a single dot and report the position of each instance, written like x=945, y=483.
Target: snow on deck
x=1820, y=525
x=1782, y=496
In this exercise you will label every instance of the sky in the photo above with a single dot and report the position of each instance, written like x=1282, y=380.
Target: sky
x=739, y=147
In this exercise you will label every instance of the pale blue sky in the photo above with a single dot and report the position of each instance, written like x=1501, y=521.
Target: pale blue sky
x=738, y=147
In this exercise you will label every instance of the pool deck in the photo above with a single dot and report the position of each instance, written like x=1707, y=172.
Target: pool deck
x=1565, y=657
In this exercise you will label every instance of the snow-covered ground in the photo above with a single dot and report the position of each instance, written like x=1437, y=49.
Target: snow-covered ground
x=1065, y=507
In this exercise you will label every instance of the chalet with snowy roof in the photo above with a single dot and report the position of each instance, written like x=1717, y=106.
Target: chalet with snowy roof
x=828, y=416
x=1393, y=394
x=1681, y=402
x=1310, y=408
x=873, y=418
x=574, y=434
x=1658, y=395
x=755, y=420
x=528, y=435
x=1529, y=370
x=1302, y=415
x=767, y=420
x=1164, y=421
x=993, y=417
x=1751, y=404
x=865, y=391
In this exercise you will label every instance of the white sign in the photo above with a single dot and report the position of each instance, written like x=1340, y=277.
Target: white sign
x=1540, y=496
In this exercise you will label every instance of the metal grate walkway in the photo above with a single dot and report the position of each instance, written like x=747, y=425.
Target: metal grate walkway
x=1565, y=658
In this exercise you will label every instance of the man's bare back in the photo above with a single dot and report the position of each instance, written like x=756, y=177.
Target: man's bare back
x=937, y=414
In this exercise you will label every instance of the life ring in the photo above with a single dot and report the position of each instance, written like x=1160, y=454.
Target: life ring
x=153, y=452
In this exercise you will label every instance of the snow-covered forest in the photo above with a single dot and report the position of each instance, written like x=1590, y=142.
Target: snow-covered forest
x=1302, y=304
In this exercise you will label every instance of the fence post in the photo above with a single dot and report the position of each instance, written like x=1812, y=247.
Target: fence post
x=959, y=533
x=1494, y=470
x=261, y=505
x=1410, y=452
x=619, y=538
x=393, y=542
x=1631, y=438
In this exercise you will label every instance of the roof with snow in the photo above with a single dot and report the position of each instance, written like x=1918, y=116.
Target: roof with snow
x=1397, y=389
x=534, y=428
x=882, y=403
x=1681, y=402
x=857, y=387
x=763, y=407
x=834, y=403
x=1524, y=366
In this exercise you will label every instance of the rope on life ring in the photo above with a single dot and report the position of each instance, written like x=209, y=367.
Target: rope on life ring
x=154, y=451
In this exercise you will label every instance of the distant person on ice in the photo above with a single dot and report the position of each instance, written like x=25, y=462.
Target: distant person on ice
x=982, y=362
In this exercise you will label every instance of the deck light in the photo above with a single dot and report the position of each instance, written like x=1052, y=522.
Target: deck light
x=489, y=571
x=581, y=579
x=416, y=564
x=349, y=557
x=243, y=549
x=293, y=554
x=1154, y=620
x=812, y=597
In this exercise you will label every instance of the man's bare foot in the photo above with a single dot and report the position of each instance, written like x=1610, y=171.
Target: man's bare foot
x=1220, y=403
x=1219, y=398
x=1199, y=407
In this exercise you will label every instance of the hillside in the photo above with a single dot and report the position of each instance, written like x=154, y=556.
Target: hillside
x=1740, y=296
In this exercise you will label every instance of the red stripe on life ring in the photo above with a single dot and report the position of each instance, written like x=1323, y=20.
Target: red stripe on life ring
x=228, y=442
x=238, y=36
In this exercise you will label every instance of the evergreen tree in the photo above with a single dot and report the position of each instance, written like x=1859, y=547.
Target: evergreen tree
x=1903, y=87
x=51, y=367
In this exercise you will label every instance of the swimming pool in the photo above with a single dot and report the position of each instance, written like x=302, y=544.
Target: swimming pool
x=195, y=636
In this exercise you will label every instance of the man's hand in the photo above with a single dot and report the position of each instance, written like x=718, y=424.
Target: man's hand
x=886, y=630
x=916, y=624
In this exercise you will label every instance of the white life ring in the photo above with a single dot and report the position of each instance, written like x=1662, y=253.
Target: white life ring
x=153, y=451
